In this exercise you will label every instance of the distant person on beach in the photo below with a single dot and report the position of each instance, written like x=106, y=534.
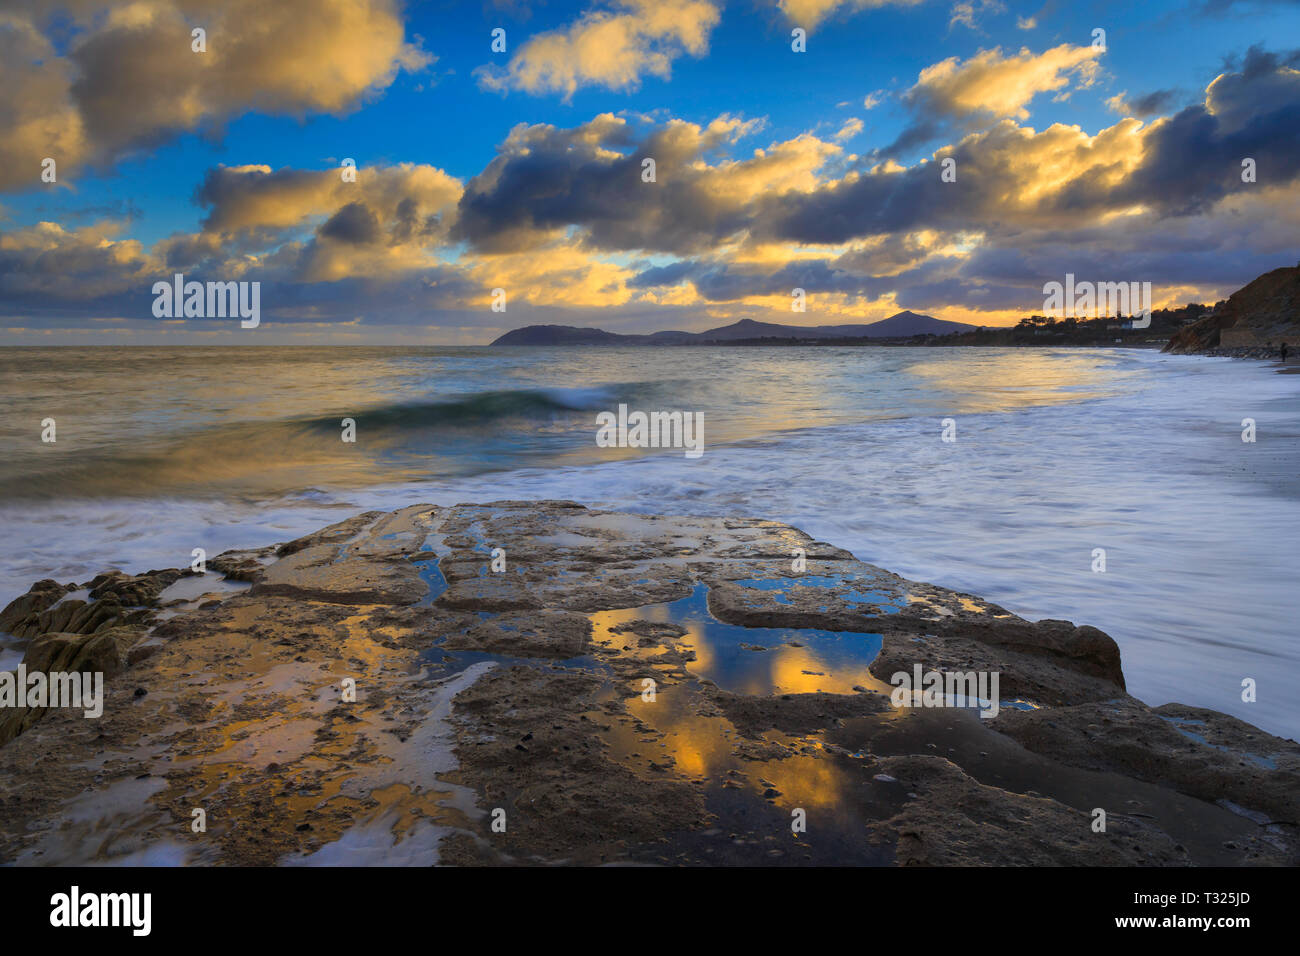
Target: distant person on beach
x=1283, y=351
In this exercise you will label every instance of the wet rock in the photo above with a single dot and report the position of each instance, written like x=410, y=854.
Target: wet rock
x=382, y=681
x=557, y=634
x=64, y=654
x=116, y=600
x=318, y=573
x=794, y=713
x=1200, y=752
x=564, y=796
x=242, y=565
x=336, y=534
x=467, y=591
x=42, y=594
x=70, y=653
x=651, y=632
x=133, y=590
x=956, y=821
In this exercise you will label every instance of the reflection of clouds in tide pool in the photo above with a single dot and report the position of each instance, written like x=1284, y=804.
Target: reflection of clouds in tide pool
x=790, y=661
x=682, y=730
x=703, y=747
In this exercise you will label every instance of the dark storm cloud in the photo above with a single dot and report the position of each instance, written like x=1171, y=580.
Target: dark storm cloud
x=1150, y=104
x=1194, y=158
x=355, y=223
x=1189, y=162
x=727, y=282
x=548, y=179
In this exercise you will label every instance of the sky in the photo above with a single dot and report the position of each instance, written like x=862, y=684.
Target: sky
x=950, y=157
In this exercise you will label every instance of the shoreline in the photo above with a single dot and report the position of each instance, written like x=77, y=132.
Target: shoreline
x=1229, y=623
x=1156, y=346
x=523, y=690
x=889, y=525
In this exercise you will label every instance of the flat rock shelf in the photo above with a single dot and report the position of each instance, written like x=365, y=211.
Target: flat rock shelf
x=533, y=682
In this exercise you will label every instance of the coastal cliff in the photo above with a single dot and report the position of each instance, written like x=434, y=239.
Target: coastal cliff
x=1262, y=313
x=521, y=682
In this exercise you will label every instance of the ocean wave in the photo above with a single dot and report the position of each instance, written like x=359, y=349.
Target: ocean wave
x=267, y=457
x=481, y=408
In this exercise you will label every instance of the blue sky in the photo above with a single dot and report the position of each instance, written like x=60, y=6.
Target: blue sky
x=407, y=90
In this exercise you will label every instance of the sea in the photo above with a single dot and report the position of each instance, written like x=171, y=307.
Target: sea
x=1153, y=496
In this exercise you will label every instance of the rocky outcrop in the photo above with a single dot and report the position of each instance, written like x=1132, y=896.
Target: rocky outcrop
x=115, y=600
x=55, y=653
x=74, y=636
x=1261, y=314
x=21, y=610
x=1208, y=755
x=523, y=682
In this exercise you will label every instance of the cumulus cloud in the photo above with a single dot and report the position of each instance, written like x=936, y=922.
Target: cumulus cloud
x=37, y=117
x=956, y=95
x=51, y=276
x=1264, y=84
x=546, y=180
x=1194, y=258
x=129, y=79
x=899, y=233
x=563, y=219
x=1151, y=196
x=1014, y=176
x=614, y=48
x=409, y=199
x=393, y=219
x=971, y=276
x=47, y=269
x=999, y=85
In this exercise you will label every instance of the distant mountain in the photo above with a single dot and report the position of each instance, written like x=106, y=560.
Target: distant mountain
x=561, y=335
x=1265, y=311
x=901, y=325
x=749, y=329
x=904, y=324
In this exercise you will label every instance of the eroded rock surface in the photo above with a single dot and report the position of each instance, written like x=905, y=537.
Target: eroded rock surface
x=536, y=682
